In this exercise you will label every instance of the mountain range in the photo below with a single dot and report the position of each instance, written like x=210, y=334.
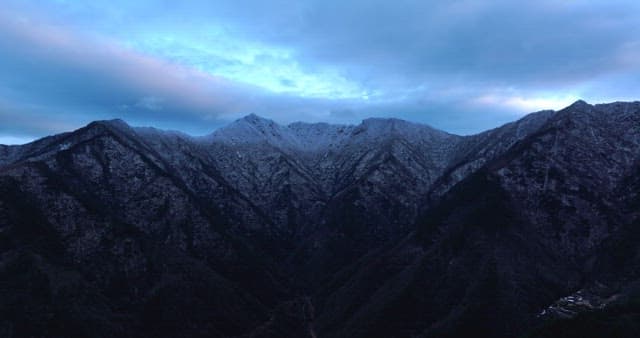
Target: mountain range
x=383, y=229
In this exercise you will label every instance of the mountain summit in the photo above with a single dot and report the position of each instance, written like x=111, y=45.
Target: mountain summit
x=383, y=229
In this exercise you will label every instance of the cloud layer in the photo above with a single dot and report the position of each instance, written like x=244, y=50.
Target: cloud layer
x=460, y=65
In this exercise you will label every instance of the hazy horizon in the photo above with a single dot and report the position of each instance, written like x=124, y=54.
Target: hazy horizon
x=459, y=66
x=17, y=141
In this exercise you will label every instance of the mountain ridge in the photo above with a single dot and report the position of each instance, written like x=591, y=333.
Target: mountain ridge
x=386, y=228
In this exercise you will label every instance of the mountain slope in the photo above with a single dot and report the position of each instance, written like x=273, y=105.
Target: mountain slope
x=505, y=242
x=126, y=229
x=383, y=229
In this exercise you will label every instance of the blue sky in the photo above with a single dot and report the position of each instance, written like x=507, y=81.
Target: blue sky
x=462, y=66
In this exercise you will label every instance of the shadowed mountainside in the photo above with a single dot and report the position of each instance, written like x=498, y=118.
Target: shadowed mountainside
x=384, y=229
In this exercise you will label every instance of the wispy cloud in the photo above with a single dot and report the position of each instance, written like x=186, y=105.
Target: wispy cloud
x=460, y=65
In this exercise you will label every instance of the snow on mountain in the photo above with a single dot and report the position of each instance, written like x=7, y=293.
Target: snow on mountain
x=253, y=129
x=310, y=137
x=314, y=137
x=384, y=219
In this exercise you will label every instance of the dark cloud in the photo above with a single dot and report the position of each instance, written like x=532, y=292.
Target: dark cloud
x=542, y=41
x=462, y=65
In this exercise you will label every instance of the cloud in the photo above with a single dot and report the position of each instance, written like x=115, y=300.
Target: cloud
x=462, y=65
x=80, y=78
x=511, y=101
x=150, y=103
x=50, y=66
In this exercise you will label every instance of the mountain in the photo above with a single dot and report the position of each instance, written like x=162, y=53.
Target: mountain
x=521, y=232
x=383, y=229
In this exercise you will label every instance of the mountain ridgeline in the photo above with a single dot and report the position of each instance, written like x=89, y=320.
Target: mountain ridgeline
x=382, y=229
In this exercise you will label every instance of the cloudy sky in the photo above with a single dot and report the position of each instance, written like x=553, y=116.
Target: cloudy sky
x=462, y=66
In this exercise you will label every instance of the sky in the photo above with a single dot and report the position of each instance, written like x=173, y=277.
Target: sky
x=463, y=66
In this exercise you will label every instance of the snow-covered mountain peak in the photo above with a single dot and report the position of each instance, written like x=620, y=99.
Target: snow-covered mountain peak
x=256, y=120
x=253, y=129
x=578, y=107
x=117, y=124
x=321, y=137
x=609, y=109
